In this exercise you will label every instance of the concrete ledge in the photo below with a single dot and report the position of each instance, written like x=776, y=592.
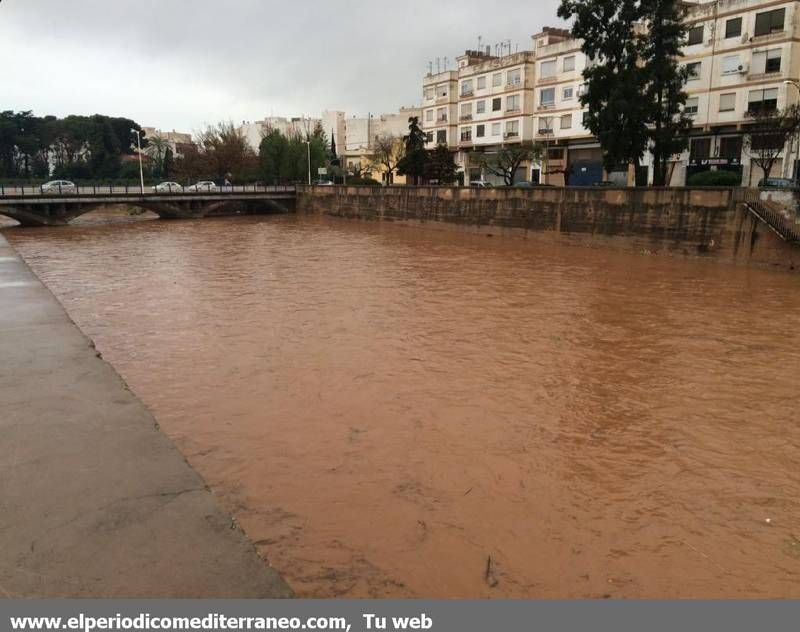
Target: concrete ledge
x=94, y=500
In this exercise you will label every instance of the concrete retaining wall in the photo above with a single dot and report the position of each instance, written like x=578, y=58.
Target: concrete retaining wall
x=678, y=221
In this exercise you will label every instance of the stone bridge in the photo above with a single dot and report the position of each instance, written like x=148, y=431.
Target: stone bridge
x=30, y=207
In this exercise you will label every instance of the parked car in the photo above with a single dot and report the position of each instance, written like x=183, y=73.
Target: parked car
x=168, y=187
x=779, y=183
x=59, y=186
x=480, y=184
x=322, y=183
x=203, y=185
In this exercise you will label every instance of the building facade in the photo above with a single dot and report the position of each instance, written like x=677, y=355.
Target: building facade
x=741, y=56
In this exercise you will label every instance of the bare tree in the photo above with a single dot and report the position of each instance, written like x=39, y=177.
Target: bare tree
x=387, y=152
x=505, y=162
x=767, y=133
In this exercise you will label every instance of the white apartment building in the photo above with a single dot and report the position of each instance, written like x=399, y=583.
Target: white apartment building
x=739, y=54
x=177, y=142
x=486, y=103
x=332, y=122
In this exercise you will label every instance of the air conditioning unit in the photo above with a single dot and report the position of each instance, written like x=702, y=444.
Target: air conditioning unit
x=743, y=69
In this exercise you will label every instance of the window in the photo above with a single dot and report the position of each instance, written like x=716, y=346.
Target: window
x=466, y=134
x=730, y=147
x=730, y=64
x=512, y=129
x=700, y=148
x=466, y=87
x=581, y=90
x=466, y=111
x=547, y=69
x=733, y=28
x=428, y=137
x=693, y=70
x=762, y=100
x=691, y=106
x=428, y=115
x=770, y=21
x=441, y=114
x=441, y=137
x=547, y=97
x=569, y=63
x=773, y=60
x=441, y=90
x=585, y=120
x=429, y=93
x=480, y=107
x=727, y=102
x=480, y=131
x=696, y=35
x=481, y=82
x=495, y=129
x=497, y=79
x=567, y=93
x=514, y=77
x=555, y=153
x=766, y=61
x=497, y=104
x=566, y=121
x=512, y=103
x=545, y=125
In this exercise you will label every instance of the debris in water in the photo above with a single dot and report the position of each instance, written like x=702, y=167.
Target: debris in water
x=489, y=575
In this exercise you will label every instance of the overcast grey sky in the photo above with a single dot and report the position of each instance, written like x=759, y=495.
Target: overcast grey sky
x=183, y=63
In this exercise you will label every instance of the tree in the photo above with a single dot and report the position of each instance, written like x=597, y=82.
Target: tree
x=768, y=131
x=387, y=153
x=156, y=150
x=167, y=164
x=505, y=161
x=334, y=157
x=441, y=166
x=618, y=115
x=415, y=156
x=226, y=153
x=660, y=54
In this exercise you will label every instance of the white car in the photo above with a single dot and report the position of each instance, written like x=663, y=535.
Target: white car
x=58, y=186
x=203, y=185
x=168, y=187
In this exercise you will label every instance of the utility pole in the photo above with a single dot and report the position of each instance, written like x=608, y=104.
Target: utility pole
x=139, y=147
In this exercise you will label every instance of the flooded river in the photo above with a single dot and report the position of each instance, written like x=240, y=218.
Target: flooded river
x=395, y=412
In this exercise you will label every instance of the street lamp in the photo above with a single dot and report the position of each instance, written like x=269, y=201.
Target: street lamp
x=139, y=147
x=308, y=149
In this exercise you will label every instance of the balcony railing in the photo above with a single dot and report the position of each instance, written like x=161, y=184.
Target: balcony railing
x=441, y=119
x=465, y=117
x=511, y=135
x=512, y=109
x=467, y=93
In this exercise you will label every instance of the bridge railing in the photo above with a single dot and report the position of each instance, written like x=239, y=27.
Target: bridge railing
x=104, y=190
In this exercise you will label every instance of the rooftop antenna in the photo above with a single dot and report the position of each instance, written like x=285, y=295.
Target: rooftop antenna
x=445, y=63
x=480, y=41
x=430, y=67
x=438, y=66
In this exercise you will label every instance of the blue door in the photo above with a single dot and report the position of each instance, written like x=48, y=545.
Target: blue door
x=584, y=173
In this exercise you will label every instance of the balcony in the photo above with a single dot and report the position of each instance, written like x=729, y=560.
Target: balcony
x=441, y=99
x=513, y=84
x=512, y=110
x=547, y=106
x=465, y=117
x=441, y=119
x=467, y=93
x=510, y=135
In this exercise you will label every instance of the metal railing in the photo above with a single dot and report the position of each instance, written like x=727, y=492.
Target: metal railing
x=104, y=190
x=775, y=218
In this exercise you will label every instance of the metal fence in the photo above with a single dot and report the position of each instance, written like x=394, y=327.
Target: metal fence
x=785, y=226
x=128, y=190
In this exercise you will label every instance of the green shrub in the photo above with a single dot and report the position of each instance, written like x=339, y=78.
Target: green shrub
x=364, y=181
x=715, y=179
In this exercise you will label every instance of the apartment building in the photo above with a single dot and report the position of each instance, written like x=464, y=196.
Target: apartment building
x=486, y=103
x=178, y=142
x=361, y=133
x=332, y=122
x=739, y=54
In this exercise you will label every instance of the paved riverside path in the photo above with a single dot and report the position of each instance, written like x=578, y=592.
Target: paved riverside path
x=95, y=501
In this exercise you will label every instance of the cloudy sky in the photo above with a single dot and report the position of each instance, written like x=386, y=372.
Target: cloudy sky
x=178, y=64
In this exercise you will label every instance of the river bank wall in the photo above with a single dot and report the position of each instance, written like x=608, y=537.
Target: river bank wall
x=709, y=223
x=95, y=501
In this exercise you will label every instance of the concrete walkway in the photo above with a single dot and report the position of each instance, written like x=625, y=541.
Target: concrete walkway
x=94, y=500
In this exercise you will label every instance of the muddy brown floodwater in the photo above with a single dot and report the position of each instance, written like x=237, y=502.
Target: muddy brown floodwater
x=395, y=412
